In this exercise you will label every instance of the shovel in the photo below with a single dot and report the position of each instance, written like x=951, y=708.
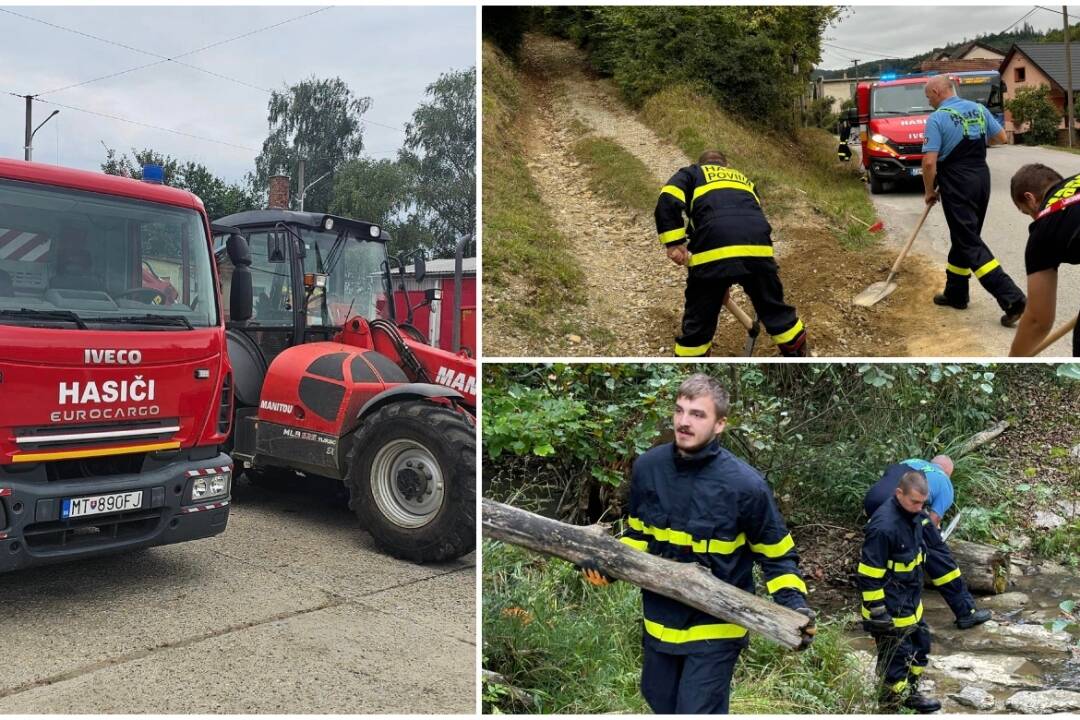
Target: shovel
x=880, y=290
x=753, y=327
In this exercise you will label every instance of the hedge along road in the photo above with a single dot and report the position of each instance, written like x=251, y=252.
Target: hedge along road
x=291, y=610
x=1005, y=231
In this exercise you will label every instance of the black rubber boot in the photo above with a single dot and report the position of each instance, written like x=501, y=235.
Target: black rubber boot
x=921, y=704
x=977, y=617
x=943, y=299
x=1012, y=315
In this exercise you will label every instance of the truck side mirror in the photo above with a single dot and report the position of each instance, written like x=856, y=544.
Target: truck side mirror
x=419, y=268
x=240, y=291
x=275, y=247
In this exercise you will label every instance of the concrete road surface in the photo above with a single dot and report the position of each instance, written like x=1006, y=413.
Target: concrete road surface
x=292, y=610
x=1005, y=231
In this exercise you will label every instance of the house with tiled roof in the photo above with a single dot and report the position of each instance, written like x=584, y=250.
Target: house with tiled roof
x=1032, y=64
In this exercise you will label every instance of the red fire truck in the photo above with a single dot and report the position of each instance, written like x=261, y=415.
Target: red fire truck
x=115, y=384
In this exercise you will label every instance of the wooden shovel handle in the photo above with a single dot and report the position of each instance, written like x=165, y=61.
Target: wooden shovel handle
x=1054, y=336
x=910, y=242
x=738, y=313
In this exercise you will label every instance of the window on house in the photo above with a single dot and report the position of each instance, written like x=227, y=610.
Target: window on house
x=1018, y=74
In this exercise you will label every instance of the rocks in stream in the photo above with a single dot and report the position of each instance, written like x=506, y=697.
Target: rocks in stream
x=1048, y=520
x=1044, y=702
x=1005, y=601
x=1004, y=670
x=974, y=697
x=1030, y=639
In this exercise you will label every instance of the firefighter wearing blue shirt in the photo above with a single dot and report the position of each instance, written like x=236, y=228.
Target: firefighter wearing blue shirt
x=954, y=160
x=692, y=501
x=942, y=568
x=890, y=579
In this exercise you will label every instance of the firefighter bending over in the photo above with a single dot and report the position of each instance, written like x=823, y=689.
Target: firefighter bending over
x=890, y=579
x=692, y=501
x=727, y=242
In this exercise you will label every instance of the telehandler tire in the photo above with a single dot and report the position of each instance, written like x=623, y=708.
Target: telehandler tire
x=412, y=481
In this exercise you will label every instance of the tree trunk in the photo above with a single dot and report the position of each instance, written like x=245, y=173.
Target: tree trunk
x=981, y=438
x=689, y=583
x=985, y=569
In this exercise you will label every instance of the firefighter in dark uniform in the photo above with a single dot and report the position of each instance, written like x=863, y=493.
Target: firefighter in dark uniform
x=954, y=160
x=941, y=567
x=692, y=501
x=890, y=578
x=1053, y=239
x=727, y=242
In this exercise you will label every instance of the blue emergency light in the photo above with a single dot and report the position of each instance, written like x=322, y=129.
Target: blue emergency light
x=887, y=76
x=153, y=174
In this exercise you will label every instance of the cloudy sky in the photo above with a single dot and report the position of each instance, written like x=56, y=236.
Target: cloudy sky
x=387, y=53
x=874, y=33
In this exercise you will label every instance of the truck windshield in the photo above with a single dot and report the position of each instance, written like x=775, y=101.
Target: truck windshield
x=986, y=91
x=897, y=100
x=73, y=257
x=354, y=276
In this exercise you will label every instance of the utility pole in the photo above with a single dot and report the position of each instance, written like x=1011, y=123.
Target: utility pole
x=855, y=69
x=1068, y=77
x=28, y=147
x=300, y=183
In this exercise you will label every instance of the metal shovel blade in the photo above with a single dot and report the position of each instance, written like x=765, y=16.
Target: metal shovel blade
x=875, y=293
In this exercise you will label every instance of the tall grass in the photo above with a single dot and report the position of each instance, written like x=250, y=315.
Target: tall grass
x=616, y=174
x=577, y=649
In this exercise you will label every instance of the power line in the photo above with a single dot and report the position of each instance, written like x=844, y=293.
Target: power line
x=869, y=52
x=1022, y=18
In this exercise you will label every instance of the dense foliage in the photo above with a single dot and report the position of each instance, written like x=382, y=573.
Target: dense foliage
x=820, y=433
x=1033, y=107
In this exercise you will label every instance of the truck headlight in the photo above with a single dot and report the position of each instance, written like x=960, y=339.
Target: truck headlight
x=211, y=486
x=879, y=138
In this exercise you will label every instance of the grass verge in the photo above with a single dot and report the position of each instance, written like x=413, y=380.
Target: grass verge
x=577, y=649
x=784, y=169
x=521, y=242
x=616, y=174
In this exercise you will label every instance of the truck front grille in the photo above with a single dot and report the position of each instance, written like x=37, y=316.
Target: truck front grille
x=60, y=437
x=89, y=532
x=909, y=149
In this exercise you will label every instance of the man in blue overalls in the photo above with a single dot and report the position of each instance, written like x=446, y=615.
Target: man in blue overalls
x=955, y=170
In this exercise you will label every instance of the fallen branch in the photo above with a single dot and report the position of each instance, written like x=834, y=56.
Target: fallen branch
x=689, y=583
x=985, y=569
x=980, y=438
x=519, y=696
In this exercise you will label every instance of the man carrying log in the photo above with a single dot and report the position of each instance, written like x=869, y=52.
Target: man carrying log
x=692, y=501
x=943, y=570
x=890, y=579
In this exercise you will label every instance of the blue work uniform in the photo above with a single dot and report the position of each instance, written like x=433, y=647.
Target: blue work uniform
x=943, y=570
x=731, y=244
x=958, y=130
x=713, y=509
x=890, y=573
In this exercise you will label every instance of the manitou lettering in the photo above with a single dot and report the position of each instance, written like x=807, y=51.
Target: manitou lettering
x=112, y=357
x=110, y=391
x=275, y=406
x=456, y=380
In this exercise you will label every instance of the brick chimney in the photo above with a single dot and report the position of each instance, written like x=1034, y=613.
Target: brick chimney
x=279, y=192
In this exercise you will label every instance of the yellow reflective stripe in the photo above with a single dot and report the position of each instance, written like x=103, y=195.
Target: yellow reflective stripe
x=672, y=235
x=901, y=567
x=723, y=185
x=730, y=251
x=926, y=521
x=992, y=265
x=898, y=687
x=916, y=670
x=946, y=578
x=899, y=621
x=675, y=192
x=684, y=351
x=872, y=595
x=949, y=267
x=642, y=545
x=679, y=537
x=776, y=549
x=786, y=581
x=871, y=571
x=725, y=547
x=789, y=335
x=95, y=452
x=635, y=523
x=718, y=631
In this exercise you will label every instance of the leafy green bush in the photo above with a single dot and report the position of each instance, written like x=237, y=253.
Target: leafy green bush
x=1032, y=106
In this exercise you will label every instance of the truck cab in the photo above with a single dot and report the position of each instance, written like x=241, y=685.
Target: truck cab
x=115, y=386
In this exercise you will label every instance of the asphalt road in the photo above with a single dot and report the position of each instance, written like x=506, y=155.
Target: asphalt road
x=291, y=610
x=1005, y=231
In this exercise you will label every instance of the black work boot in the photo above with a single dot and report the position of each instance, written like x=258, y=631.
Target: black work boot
x=943, y=299
x=1013, y=313
x=920, y=703
x=975, y=617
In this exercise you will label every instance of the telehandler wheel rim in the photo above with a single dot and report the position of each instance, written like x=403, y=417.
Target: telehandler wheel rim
x=407, y=483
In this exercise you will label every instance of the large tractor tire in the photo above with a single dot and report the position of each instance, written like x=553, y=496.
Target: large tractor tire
x=412, y=481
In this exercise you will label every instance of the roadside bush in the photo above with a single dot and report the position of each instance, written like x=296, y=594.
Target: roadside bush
x=1033, y=107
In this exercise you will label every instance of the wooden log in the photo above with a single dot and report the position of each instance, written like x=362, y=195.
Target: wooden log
x=985, y=569
x=980, y=438
x=689, y=583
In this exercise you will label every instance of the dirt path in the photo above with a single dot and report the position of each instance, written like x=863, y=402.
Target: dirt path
x=635, y=294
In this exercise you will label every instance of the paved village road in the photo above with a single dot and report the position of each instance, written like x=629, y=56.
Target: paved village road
x=1005, y=231
x=291, y=610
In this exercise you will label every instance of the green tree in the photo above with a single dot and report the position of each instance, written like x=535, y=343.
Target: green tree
x=819, y=114
x=440, y=154
x=318, y=121
x=1033, y=107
